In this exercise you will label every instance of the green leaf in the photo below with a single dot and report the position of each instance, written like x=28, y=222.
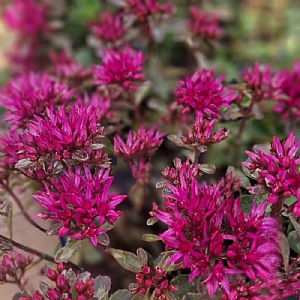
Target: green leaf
x=289, y=201
x=294, y=241
x=127, y=260
x=142, y=256
x=246, y=203
x=149, y=237
x=67, y=251
x=244, y=180
x=121, y=295
x=183, y=286
x=207, y=168
x=102, y=286
x=295, y=223
x=285, y=250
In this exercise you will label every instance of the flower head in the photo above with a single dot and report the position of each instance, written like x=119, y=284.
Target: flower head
x=73, y=136
x=30, y=95
x=27, y=17
x=277, y=171
x=288, y=105
x=109, y=29
x=215, y=239
x=203, y=24
x=122, y=67
x=185, y=169
x=67, y=68
x=144, y=9
x=201, y=134
x=260, y=83
x=80, y=201
x=142, y=143
x=203, y=93
x=101, y=104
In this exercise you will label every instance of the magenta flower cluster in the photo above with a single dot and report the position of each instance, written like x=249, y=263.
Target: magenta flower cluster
x=120, y=67
x=138, y=148
x=73, y=137
x=288, y=105
x=144, y=9
x=81, y=203
x=260, y=83
x=202, y=24
x=27, y=17
x=215, y=239
x=201, y=133
x=277, y=172
x=204, y=94
x=138, y=144
x=109, y=29
x=29, y=95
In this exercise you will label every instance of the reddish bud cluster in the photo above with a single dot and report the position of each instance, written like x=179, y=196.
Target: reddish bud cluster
x=152, y=279
x=201, y=133
x=67, y=286
x=13, y=267
x=109, y=29
x=203, y=24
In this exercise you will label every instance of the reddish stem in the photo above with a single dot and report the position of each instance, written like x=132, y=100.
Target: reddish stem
x=38, y=253
x=21, y=207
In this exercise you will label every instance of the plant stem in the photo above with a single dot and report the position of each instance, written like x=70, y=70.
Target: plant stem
x=21, y=207
x=196, y=156
x=38, y=253
x=238, y=143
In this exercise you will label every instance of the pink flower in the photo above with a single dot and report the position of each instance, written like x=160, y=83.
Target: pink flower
x=201, y=134
x=215, y=239
x=144, y=9
x=203, y=24
x=29, y=95
x=141, y=171
x=67, y=68
x=109, y=29
x=259, y=83
x=288, y=105
x=27, y=17
x=277, y=171
x=203, y=93
x=29, y=20
x=80, y=201
x=101, y=104
x=123, y=68
x=185, y=169
x=139, y=144
x=73, y=137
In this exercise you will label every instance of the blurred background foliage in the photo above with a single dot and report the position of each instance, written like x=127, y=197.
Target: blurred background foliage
x=267, y=31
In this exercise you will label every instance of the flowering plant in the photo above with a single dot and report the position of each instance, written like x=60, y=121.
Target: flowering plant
x=88, y=143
